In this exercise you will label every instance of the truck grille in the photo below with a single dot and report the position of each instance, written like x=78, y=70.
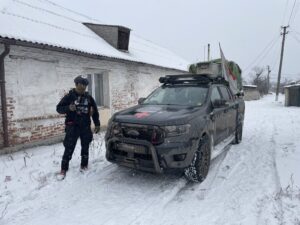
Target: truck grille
x=150, y=133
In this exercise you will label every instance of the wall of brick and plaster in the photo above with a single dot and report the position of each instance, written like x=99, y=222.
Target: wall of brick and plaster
x=1, y=126
x=37, y=79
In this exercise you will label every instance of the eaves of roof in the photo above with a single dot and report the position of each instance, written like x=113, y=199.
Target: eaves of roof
x=12, y=41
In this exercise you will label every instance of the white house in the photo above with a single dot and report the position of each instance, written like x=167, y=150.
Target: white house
x=44, y=46
x=292, y=94
x=251, y=92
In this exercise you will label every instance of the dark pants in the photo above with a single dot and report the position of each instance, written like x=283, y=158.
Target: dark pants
x=72, y=134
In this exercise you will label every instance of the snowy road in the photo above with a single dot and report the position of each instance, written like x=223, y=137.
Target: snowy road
x=255, y=182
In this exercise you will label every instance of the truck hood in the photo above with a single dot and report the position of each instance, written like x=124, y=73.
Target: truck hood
x=156, y=114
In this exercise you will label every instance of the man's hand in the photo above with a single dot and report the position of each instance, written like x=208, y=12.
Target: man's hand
x=97, y=129
x=72, y=107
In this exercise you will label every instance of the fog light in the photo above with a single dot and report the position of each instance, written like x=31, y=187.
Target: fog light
x=179, y=157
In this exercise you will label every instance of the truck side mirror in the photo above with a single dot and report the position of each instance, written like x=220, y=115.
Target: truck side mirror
x=219, y=103
x=240, y=94
x=141, y=100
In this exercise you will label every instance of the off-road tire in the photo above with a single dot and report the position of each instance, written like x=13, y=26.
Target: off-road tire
x=238, y=134
x=199, y=167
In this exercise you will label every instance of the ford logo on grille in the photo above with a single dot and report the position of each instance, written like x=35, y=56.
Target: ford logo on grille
x=133, y=133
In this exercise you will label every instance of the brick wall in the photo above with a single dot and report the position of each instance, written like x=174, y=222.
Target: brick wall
x=1, y=126
x=33, y=134
x=37, y=79
x=32, y=129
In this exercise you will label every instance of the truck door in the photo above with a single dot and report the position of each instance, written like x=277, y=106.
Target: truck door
x=218, y=118
x=230, y=112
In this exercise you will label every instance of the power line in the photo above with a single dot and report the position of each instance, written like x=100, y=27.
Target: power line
x=285, y=9
x=48, y=24
x=298, y=33
x=296, y=11
x=46, y=10
x=295, y=37
x=69, y=10
x=71, y=19
x=292, y=12
x=264, y=51
x=90, y=18
x=275, y=58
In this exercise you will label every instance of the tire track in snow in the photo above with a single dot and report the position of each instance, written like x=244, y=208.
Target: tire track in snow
x=264, y=161
x=254, y=161
x=182, y=189
x=161, y=201
x=167, y=186
x=264, y=202
x=279, y=207
x=202, y=189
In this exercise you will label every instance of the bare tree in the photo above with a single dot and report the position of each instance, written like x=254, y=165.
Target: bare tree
x=259, y=80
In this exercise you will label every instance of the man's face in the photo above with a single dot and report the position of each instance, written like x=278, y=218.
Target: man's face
x=80, y=88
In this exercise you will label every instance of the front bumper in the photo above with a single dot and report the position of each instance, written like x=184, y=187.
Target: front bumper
x=143, y=155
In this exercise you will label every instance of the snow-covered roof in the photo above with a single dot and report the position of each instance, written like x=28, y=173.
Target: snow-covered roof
x=249, y=86
x=44, y=22
x=292, y=85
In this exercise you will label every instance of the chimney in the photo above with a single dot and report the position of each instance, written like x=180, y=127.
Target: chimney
x=116, y=36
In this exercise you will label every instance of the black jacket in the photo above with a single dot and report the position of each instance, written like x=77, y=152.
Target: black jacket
x=84, y=104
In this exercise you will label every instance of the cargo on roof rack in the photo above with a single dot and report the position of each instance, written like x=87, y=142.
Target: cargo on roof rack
x=190, y=78
x=213, y=69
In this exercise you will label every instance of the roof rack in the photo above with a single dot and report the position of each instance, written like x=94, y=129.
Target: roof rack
x=190, y=78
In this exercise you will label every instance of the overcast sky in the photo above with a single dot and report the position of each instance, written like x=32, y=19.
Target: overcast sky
x=248, y=30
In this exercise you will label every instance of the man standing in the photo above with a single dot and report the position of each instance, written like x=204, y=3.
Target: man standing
x=78, y=106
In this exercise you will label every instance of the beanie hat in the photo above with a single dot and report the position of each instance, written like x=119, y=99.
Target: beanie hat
x=81, y=80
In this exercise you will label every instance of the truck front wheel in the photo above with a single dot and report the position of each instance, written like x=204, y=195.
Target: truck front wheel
x=199, y=167
x=238, y=134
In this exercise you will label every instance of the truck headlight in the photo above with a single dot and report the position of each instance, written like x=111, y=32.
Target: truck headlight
x=172, y=131
x=113, y=129
x=116, y=128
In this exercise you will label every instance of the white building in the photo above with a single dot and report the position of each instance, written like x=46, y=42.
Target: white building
x=251, y=92
x=44, y=46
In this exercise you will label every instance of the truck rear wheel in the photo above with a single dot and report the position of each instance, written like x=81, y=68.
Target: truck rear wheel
x=199, y=167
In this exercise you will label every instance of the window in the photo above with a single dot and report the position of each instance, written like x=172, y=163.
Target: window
x=225, y=94
x=97, y=89
x=178, y=95
x=123, y=40
x=215, y=94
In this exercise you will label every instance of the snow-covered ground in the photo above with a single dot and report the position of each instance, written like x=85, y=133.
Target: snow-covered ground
x=255, y=182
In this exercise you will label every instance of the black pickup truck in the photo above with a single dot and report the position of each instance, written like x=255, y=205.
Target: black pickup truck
x=183, y=124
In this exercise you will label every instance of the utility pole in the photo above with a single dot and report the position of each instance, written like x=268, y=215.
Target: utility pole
x=208, y=52
x=204, y=52
x=281, y=58
x=268, y=77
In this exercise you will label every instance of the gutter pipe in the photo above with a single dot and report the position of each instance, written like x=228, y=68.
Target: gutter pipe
x=3, y=95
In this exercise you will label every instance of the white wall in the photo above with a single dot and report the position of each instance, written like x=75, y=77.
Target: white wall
x=37, y=79
x=251, y=94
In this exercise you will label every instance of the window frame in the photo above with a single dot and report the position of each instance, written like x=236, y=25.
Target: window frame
x=217, y=88
x=101, y=98
x=226, y=90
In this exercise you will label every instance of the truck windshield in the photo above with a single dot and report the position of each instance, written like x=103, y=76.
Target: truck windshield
x=177, y=95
